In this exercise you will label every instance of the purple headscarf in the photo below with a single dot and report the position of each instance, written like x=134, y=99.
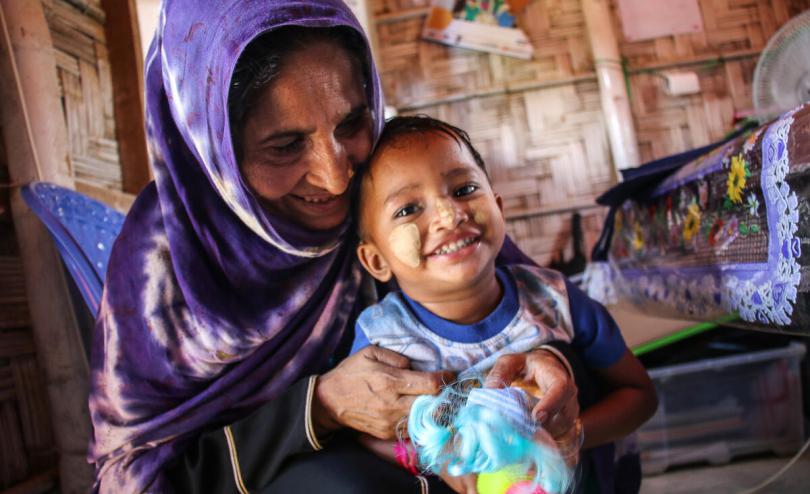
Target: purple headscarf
x=211, y=307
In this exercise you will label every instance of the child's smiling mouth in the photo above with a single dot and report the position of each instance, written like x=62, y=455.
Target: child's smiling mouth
x=454, y=246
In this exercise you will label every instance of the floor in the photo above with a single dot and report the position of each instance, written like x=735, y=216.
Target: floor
x=733, y=478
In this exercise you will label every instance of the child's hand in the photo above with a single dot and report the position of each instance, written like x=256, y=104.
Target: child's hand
x=465, y=484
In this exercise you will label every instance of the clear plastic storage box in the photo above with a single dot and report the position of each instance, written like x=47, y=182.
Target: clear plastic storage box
x=715, y=409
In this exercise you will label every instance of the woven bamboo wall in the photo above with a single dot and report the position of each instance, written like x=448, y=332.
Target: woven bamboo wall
x=736, y=30
x=539, y=124
x=26, y=437
x=26, y=440
x=82, y=64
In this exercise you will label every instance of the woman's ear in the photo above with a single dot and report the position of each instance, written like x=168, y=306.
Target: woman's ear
x=372, y=259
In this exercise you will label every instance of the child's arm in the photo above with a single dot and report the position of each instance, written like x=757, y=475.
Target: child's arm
x=630, y=403
x=629, y=398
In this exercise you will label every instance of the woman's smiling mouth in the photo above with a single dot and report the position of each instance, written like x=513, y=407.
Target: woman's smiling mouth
x=316, y=199
x=320, y=204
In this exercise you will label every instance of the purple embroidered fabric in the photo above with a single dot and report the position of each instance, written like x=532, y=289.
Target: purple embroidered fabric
x=211, y=307
x=722, y=238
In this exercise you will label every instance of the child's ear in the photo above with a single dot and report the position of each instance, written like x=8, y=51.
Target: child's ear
x=371, y=259
x=499, y=202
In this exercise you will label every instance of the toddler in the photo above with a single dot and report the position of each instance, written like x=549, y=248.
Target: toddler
x=429, y=219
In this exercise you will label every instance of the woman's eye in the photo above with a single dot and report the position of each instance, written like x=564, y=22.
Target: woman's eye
x=289, y=148
x=406, y=211
x=351, y=124
x=466, y=190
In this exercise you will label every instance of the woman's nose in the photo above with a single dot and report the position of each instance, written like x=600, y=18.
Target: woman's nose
x=330, y=168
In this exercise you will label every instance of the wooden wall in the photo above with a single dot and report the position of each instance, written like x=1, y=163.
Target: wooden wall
x=28, y=453
x=26, y=438
x=539, y=123
x=83, y=68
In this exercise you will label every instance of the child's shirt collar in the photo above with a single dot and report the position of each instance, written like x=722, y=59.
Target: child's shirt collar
x=484, y=329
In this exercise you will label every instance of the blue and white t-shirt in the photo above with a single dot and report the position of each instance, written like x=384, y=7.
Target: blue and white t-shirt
x=538, y=306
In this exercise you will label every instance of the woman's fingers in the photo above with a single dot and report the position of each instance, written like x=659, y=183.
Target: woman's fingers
x=385, y=356
x=409, y=382
x=371, y=391
x=557, y=409
x=556, y=393
x=506, y=369
x=560, y=422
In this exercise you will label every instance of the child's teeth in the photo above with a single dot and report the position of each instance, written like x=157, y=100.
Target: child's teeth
x=450, y=248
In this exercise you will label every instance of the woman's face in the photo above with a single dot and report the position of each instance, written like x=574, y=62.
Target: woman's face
x=307, y=130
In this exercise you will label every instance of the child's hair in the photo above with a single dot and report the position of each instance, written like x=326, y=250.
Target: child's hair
x=397, y=127
x=420, y=124
x=468, y=429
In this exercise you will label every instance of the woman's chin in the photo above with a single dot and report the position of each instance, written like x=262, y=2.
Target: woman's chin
x=320, y=224
x=313, y=216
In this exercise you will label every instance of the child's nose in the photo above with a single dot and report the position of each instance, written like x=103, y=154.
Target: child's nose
x=446, y=215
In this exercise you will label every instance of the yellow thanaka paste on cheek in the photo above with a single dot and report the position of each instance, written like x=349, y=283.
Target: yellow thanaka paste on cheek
x=446, y=212
x=481, y=217
x=406, y=244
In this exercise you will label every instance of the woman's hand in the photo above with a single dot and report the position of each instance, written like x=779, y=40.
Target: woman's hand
x=371, y=391
x=558, y=408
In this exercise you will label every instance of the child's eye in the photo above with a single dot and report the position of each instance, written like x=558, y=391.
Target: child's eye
x=406, y=211
x=465, y=190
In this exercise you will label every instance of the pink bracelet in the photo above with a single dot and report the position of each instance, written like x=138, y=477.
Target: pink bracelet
x=406, y=455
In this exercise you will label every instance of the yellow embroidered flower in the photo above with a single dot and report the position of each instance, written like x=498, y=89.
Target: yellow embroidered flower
x=736, y=179
x=638, y=238
x=691, y=224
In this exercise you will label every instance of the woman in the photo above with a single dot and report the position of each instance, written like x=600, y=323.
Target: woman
x=233, y=281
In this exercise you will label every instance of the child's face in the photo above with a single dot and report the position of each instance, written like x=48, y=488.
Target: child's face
x=430, y=217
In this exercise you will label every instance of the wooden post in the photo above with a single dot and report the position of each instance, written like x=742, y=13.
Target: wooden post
x=615, y=103
x=126, y=68
x=36, y=146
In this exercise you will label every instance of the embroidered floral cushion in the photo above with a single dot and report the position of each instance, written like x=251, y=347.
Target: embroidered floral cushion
x=723, y=237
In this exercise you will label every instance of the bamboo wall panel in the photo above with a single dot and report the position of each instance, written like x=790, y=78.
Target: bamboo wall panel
x=415, y=72
x=548, y=237
x=670, y=124
x=737, y=30
x=539, y=124
x=85, y=82
x=26, y=438
x=729, y=26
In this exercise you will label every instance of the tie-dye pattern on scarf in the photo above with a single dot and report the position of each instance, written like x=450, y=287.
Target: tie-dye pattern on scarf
x=210, y=307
